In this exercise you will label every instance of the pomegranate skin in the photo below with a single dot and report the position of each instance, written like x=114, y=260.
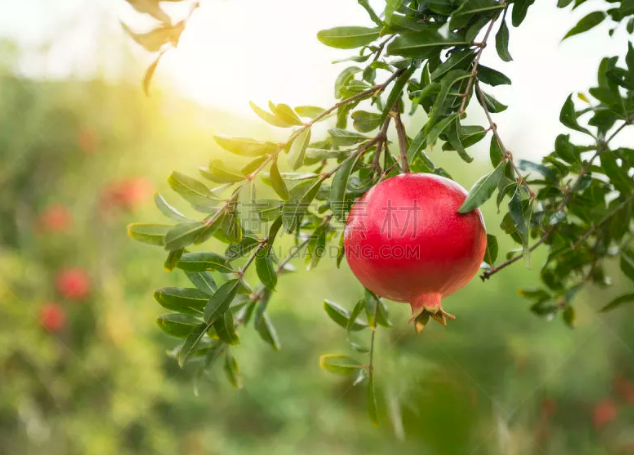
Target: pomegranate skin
x=405, y=240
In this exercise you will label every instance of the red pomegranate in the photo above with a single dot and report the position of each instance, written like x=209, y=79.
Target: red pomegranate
x=604, y=412
x=52, y=317
x=55, y=218
x=405, y=240
x=73, y=284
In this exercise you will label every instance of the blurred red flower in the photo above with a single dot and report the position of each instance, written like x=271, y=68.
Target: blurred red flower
x=73, y=284
x=604, y=413
x=55, y=218
x=126, y=194
x=52, y=317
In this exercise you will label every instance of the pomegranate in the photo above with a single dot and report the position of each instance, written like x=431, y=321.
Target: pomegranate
x=73, y=284
x=52, y=317
x=55, y=218
x=405, y=240
x=604, y=412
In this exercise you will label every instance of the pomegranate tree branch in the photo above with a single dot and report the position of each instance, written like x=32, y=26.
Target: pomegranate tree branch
x=402, y=139
x=602, y=146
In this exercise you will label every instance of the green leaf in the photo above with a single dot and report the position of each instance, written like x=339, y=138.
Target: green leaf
x=277, y=182
x=568, y=117
x=423, y=43
x=225, y=329
x=460, y=59
x=614, y=304
x=192, y=190
x=204, y=260
x=211, y=228
x=267, y=332
x=183, y=235
x=172, y=259
x=348, y=37
x=169, y=211
x=266, y=270
x=245, y=146
x=483, y=189
x=491, y=253
x=298, y=149
x=356, y=311
x=183, y=300
x=448, y=81
x=390, y=8
x=492, y=77
x=232, y=371
x=221, y=300
x=365, y=122
x=339, y=186
x=178, y=325
x=492, y=105
x=618, y=175
x=248, y=243
x=341, y=316
x=627, y=263
x=585, y=24
x=395, y=93
x=220, y=173
x=502, y=42
x=339, y=364
x=526, y=165
x=285, y=112
x=470, y=8
x=344, y=78
x=341, y=137
x=569, y=316
x=153, y=234
x=191, y=343
x=439, y=127
x=309, y=111
x=268, y=117
x=520, y=8
x=295, y=208
x=203, y=281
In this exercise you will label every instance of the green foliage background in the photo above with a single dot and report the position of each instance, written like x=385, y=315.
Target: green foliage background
x=499, y=381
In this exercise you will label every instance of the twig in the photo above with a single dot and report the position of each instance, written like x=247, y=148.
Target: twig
x=381, y=143
x=402, y=139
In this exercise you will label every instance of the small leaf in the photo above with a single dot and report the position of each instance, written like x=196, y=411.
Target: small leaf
x=339, y=364
x=183, y=300
x=502, y=43
x=569, y=316
x=423, y=43
x=220, y=173
x=483, y=189
x=203, y=282
x=268, y=117
x=585, y=24
x=495, y=151
x=221, y=300
x=266, y=270
x=168, y=210
x=341, y=316
x=247, y=244
x=178, y=325
x=225, y=328
x=491, y=253
x=365, y=122
x=191, y=343
x=627, y=263
x=492, y=77
x=232, y=371
x=203, y=261
x=153, y=234
x=183, y=235
x=287, y=114
x=614, y=304
x=172, y=259
x=267, y=332
x=568, y=117
x=348, y=37
x=245, y=146
x=192, y=190
x=439, y=127
x=341, y=137
x=395, y=93
x=277, y=182
x=298, y=149
x=309, y=111
x=339, y=186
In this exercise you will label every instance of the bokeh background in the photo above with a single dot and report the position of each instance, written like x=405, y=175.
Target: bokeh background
x=81, y=152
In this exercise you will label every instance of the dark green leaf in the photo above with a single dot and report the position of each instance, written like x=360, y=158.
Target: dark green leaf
x=339, y=186
x=502, y=42
x=154, y=234
x=203, y=281
x=183, y=235
x=614, y=304
x=192, y=190
x=203, y=261
x=341, y=316
x=568, y=117
x=277, y=182
x=183, y=300
x=225, y=328
x=172, y=259
x=191, y=343
x=341, y=137
x=483, y=189
x=492, y=77
x=232, y=371
x=267, y=332
x=221, y=300
x=178, y=325
x=395, y=93
x=421, y=44
x=365, y=122
x=627, y=263
x=491, y=253
x=585, y=24
x=266, y=270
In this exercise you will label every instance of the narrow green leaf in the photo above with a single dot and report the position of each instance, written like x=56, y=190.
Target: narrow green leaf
x=153, y=234
x=339, y=186
x=172, y=259
x=277, y=182
x=191, y=343
x=221, y=300
x=348, y=37
x=267, y=332
x=627, y=263
x=339, y=364
x=178, y=325
x=287, y=114
x=266, y=270
x=491, y=253
x=365, y=122
x=245, y=146
x=439, y=127
x=183, y=235
x=169, y=211
x=585, y=24
x=460, y=59
x=568, y=117
x=220, y=173
x=492, y=77
x=614, y=304
x=203, y=282
x=341, y=316
x=203, y=261
x=192, y=190
x=421, y=44
x=183, y=300
x=502, y=42
x=268, y=117
x=371, y=397
x=309, y=111
x=225, y=328
x=298, y=149
x=232, y=371
x=395, y=93
x=341, y=137
x=483, y=189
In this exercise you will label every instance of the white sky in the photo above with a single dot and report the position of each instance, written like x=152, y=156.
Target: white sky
x=236, y=51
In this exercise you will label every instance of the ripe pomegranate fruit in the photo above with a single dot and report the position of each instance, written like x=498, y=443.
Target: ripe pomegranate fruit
x=52, y=317
x=405, y=240
x=73, y=284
